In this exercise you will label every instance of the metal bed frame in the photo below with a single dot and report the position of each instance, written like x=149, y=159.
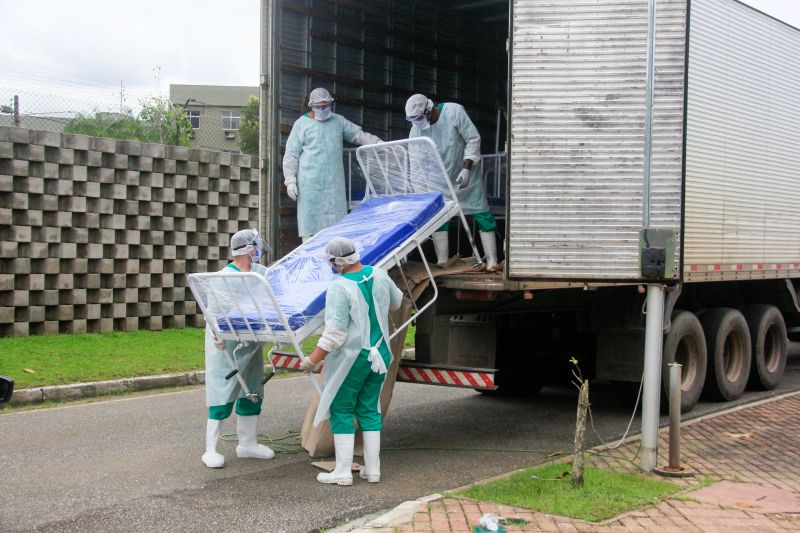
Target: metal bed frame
x=395, y=155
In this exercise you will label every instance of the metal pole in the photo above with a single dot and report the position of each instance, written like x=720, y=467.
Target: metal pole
x=268, y=195
x=675, y=416
x=16, y=110
x=648, y=115
x=651, y=390
x=497, y=131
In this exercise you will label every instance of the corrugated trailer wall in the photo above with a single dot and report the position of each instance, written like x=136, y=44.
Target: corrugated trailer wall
x=577, y=135
x=743, y=145
x=373, y=55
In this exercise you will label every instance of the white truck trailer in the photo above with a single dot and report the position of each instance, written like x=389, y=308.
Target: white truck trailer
x=639, y=152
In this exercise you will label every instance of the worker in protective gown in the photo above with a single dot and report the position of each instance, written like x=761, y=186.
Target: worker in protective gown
x=221, y=394
x=313, y=167
x=355, y=347
x=459, y=145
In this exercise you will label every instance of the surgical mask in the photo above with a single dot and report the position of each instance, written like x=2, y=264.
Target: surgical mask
x=255, y=255
x=421, y=123
x=322, y=114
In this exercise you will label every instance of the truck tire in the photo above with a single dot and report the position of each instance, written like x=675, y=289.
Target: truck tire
x=769, y=345
x=686, y=344
x=729, y=353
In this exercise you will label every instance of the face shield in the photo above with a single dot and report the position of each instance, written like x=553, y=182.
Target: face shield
x=249, y=242
x=320, y=102
x=322, y=112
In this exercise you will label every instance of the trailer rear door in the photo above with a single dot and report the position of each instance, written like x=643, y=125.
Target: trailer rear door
x=577, y=105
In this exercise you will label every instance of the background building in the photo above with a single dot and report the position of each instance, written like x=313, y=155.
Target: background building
x=214, y=111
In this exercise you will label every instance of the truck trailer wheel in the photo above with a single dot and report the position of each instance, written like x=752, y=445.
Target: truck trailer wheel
x=729, y=353
x=769, y=345
x=685, y=344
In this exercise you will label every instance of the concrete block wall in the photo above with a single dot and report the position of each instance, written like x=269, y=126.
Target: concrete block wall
x=99, y=235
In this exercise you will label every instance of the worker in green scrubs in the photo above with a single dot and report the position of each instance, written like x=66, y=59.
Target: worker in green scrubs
x=247, y=247
x=355, y=347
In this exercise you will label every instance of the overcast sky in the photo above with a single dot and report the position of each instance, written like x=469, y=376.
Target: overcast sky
x=86, y=48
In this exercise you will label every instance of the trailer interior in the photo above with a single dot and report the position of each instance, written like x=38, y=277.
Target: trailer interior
x=373, y=55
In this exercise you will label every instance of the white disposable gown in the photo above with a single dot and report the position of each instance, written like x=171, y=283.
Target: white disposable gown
x=315, y=150
x=457, y=139
x=347, y=310
x=249, y=357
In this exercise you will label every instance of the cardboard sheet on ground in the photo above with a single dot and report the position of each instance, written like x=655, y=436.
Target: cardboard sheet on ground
x=318, y=442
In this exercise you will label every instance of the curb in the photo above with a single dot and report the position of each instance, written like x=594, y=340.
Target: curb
x=79, y=391
x=395, y=517
x=406, y=510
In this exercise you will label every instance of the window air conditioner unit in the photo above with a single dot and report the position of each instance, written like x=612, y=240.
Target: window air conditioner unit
x=230, y=134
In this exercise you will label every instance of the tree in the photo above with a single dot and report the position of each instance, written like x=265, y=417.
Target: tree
x=115, y=125
x=169, y=124
x=582, y=385
x=158, y=122
x=248, y=127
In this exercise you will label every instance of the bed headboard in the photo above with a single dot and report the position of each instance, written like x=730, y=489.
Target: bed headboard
x=403, y=167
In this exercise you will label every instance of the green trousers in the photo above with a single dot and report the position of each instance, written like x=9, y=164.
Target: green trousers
x=244, y=407
x=485, y=221
x=358, y=396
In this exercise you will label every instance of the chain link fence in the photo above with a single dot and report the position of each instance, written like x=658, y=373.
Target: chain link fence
x=124, y=114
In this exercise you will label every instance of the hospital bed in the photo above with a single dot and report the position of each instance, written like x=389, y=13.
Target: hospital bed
x=408, y=196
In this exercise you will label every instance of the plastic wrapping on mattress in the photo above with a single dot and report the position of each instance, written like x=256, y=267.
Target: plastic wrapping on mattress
x=300, y=280
x=229, y=296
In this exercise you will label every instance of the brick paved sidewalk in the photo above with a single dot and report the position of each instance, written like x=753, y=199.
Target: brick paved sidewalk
x=753, y=444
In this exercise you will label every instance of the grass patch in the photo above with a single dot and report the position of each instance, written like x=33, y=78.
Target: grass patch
x=66, y=359
x=410, y=334
x=63, y=359
x=604, y=495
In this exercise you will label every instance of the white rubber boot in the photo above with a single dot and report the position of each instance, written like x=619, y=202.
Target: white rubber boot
x=343, y=473
x=489, y=250
x=372, y=457
x=247, y=430
x=441, y=243
x=211, y=458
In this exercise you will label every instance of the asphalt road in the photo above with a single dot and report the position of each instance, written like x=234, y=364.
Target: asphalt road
x=134, y=463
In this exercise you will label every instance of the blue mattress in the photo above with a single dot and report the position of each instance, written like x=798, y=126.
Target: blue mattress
x=301, y=279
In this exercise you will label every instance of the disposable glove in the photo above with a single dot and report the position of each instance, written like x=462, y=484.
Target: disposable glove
x=308, y=367
x=219, y=343
x=291, y=190
x=462, y=180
